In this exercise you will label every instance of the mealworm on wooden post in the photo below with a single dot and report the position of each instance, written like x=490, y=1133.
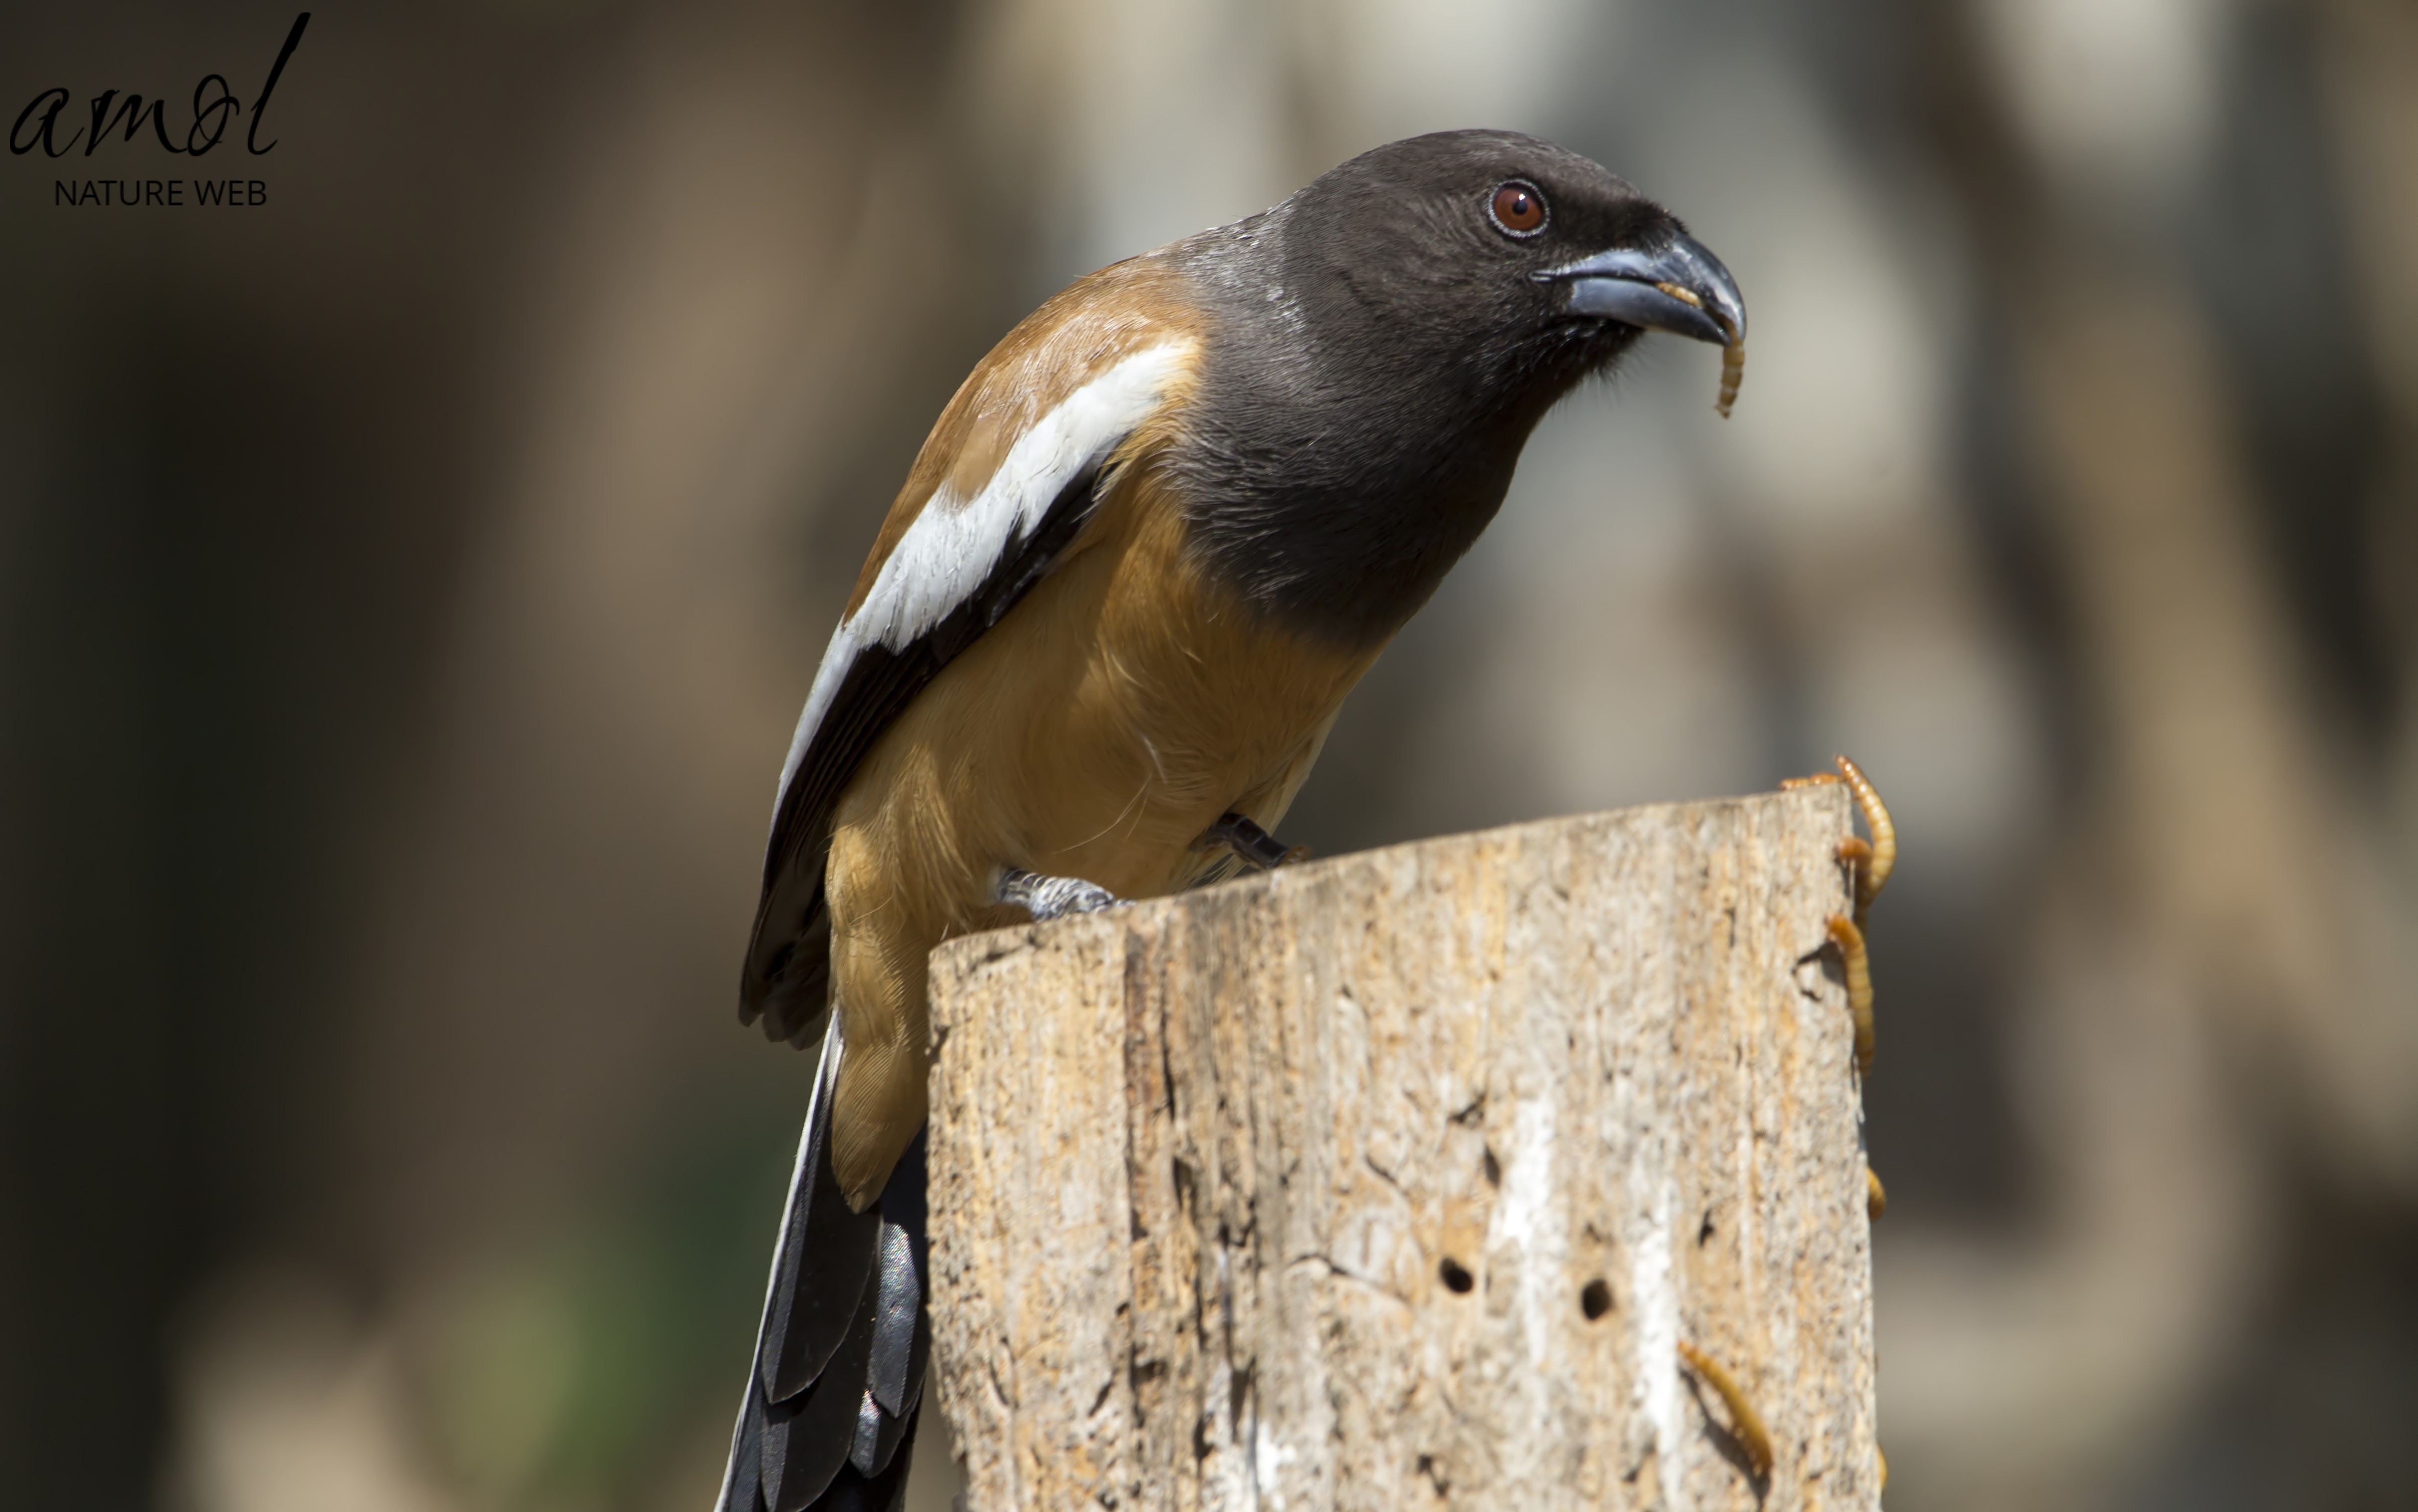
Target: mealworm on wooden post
x=1869, y=864
x=1857, y=856
x=1746, y=1426
x=1859, y=966
x=1876, y=1195
x=1732, y=353
x=1874, y=874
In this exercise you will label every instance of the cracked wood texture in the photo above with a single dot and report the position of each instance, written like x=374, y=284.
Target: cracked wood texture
x=1394, y=1180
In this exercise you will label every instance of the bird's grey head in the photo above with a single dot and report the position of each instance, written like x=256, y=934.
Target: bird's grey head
x=1525, y=264
x=1388, y=337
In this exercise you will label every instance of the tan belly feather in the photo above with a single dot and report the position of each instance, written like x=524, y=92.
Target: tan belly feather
x=1107, y=720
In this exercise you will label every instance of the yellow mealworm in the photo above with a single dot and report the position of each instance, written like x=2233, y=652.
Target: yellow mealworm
x=1876, y=1195
x=1732, y=354
x=1850, y=941
x=1854, y=854
x=1745, y=1426
x=1873, y=875
x=1870, y=865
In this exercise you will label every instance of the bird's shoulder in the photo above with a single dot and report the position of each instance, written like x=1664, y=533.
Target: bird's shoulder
x=1096, y=359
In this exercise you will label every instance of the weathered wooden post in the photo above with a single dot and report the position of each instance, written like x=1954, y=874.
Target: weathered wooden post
x=1400, y=1179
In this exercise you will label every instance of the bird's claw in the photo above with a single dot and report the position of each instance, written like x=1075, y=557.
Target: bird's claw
x=1050, y=897
x=1246, y=839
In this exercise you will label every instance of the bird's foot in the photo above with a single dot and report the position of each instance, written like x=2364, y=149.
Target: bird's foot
x=1248, y=841
x=1050, y=897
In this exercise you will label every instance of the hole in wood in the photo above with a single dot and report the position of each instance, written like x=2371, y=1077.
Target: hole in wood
x=1595, y=1299
x=1454, y=1276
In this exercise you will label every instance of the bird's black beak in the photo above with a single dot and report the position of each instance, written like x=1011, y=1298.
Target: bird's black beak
x=1680, y=287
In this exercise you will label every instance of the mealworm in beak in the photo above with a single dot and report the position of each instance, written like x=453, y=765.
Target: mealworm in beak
x=1733, y=355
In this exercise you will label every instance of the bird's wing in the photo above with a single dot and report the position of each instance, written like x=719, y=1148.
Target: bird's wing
x=995, y=500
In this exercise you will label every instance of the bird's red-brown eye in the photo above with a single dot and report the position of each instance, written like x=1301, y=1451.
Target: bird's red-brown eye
x=1518, y=208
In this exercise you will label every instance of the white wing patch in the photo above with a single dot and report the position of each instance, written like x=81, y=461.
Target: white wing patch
x=952, y=544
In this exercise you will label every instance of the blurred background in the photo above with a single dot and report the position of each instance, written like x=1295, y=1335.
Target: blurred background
x=406, y=587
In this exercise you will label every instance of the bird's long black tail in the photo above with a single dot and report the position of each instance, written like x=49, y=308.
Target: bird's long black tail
x=828, y=1421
